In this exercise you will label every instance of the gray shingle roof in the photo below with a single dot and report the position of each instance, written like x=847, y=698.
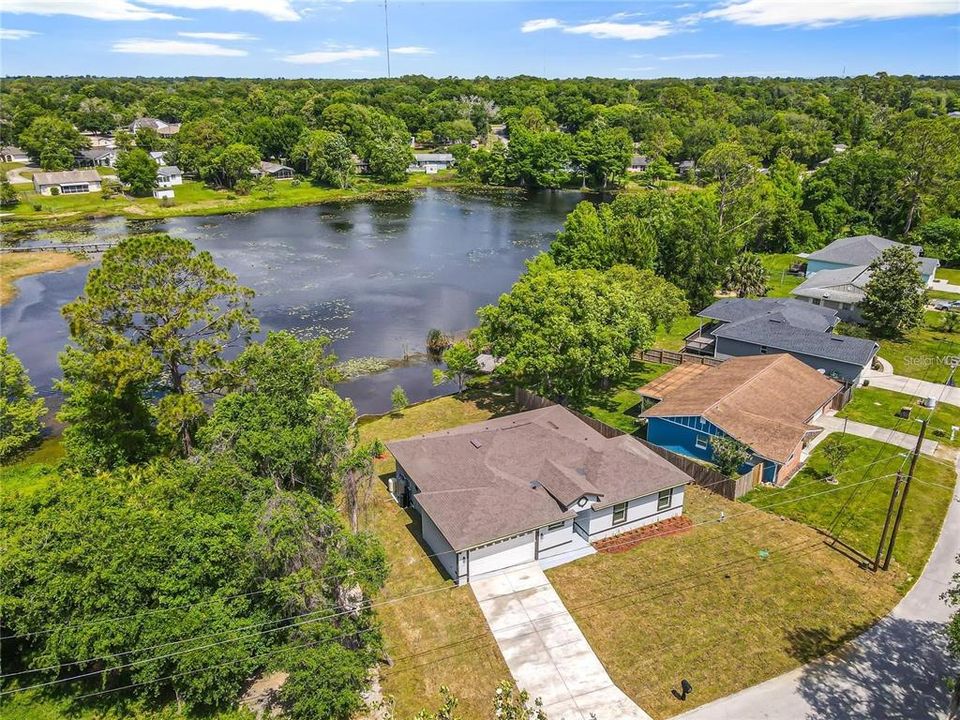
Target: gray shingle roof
x=863, y=249
x=835, y=284
x=799, y=314
x=433, y=157
x=508, y=475
x=775, y=332
x=66, y=177
x=168, y=170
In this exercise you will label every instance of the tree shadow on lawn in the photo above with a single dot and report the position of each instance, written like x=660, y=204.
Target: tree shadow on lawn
x=897, y=669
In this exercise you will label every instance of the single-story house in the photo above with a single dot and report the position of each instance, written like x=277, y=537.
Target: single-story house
x=638, y=164
x=860, y=251
x=685, y=167
x=528, y=486
x=164, y=129
x=97, y=157
x=767, y=403
x=841, y=290
x=738, y=327
x=99, y=141
x=431, y=163
x=11, y=153
x=168, y=176
x=274, y=170
x=69, y=182
x=163, y=193
x=159, y=157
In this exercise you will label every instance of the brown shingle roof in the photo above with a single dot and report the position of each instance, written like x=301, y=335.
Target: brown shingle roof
x=764, y=401
x=671, y=380
x=507, y=475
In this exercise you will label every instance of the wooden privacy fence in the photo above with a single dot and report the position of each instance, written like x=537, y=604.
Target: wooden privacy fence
x=669, y=357
x=703, y=475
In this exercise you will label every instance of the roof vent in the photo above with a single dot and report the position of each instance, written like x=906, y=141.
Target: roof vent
x=476, y=443
x=552, y=424
x=534, y=485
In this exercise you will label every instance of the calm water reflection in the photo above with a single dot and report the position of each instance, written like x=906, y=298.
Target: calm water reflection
x=374, y=277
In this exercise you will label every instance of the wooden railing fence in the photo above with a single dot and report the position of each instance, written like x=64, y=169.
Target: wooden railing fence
x=670, y=357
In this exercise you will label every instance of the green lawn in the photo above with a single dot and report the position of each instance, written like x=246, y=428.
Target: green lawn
x=4, y=166
x=33, y=471
x=924, y=352
x=438, y=638
x=875, y=406
x=951, y=275
x=862, y=520
x=672, y=339
x=611, y=406
x=780, y=282
x=705, y=605
x=942, y=295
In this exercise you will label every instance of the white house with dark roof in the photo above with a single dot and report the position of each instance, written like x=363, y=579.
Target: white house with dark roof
x=11, y=153
x=737, y=327
x=538, y=485
x=431, y=163
x=274, y=170
x=168, y=176
x=69, y=182
x=638, y=164
x=97, y=157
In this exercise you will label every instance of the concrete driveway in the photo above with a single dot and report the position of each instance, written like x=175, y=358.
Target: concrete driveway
x=546, y=652
x=896, y=670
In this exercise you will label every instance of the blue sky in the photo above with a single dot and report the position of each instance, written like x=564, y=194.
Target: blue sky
x=337, y=38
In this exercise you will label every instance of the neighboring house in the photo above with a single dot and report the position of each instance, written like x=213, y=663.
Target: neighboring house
x=685, y=167
x=739, y=327
x=840, y=290
x=168, y=176
x=97, y=157
x=360, y=166
x=70, y=182
x=11, y=153
x=861, y=250
x=163, y=193
x=638, y=164
x=159, y=157
x=528, y=486
x=766, y=403
x=164, y=129
x=99, y=141
x=431, y=163
x=274, y=170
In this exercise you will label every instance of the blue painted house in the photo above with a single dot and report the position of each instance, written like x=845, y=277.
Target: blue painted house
x=767, y=403
x=860, y=251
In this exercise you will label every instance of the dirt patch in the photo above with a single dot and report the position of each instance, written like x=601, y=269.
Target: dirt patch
x=626, y=541
x=261, y=697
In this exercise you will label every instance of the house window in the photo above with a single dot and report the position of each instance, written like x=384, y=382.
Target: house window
x=664, y=499
x=763, y=349
x=702, y=442
x=815, y=301
x=555, y=526
x=619, y=513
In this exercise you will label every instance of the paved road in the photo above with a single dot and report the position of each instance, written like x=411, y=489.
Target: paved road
x=893, y=671
x=944, y=286
x=14, y=176
x=832, y=424
x=546, y=652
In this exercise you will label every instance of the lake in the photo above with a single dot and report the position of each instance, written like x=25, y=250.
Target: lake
x=372, y=276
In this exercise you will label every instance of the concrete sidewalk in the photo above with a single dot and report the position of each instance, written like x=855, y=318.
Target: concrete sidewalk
x=896, y=670
x=917, y=388
x=833, y=424
x=546, y=652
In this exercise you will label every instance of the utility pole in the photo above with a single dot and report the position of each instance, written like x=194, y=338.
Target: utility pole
x=386, y=31
x=886, y=522
x=906, y=491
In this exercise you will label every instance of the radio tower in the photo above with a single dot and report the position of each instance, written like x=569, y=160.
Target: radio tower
x=386, y=31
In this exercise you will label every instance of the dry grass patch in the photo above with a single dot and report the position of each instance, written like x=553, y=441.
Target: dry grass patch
x=705, y=606
x=436, y=636
x=14, y=266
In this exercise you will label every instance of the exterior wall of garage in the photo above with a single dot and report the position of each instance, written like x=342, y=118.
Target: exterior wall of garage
x=439, y=546
x=640, y=512
x=501, y=554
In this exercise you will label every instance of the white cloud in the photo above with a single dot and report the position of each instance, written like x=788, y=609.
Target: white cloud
x=542, y=24
x=621, y=31
x=226, y=36
x=691, y=56
x=11, y=34
x=93, y=9
x=820, y=13
x=332, y=55
x=142, y=46
x=411, y=50
x=130, y=10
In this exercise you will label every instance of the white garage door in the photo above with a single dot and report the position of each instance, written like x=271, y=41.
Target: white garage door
x=502, y=554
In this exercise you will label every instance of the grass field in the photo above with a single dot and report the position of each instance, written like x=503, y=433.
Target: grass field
x=875, y=406
x=706, y=606
x=866, y=479
x=923, y=353
x=14, y=266
x=440, y=637
x=951, y=275
x=611, y=406
x=942, y=295
x=33, y=470
x=780, y=283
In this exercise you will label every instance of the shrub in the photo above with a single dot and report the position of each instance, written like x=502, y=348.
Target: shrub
x=437, y=341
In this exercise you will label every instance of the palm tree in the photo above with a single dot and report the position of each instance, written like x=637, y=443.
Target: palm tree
x=746, y=276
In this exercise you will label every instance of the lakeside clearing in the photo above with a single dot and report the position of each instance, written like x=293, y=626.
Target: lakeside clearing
x=14, y=266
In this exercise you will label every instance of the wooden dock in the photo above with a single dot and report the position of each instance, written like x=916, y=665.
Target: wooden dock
x=88, y=248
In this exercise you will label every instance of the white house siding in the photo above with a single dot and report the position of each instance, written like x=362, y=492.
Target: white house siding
x=439, y=547
x=550, y=539
x=502, y=554
x=71, y=188
x=640, y=512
